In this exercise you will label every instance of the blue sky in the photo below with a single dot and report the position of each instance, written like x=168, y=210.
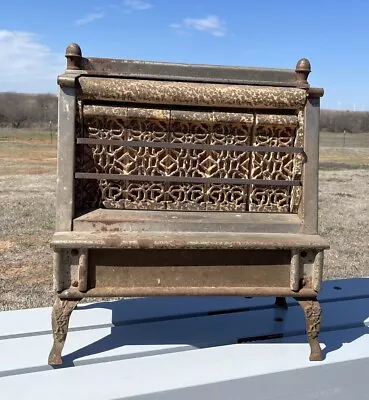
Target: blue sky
x=333, y=35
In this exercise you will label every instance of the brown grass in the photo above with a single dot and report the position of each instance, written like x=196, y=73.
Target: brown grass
x=27, y=206
x=335, y=157
x=30, y=134
x=30, y=157
x=27, y=209
x=344, y=220
x=350, y=140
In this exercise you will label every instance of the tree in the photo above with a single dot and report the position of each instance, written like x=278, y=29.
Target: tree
x=19, y=110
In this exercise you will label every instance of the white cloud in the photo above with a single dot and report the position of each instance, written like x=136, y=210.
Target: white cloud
x=211, y=24
x=26, y=64
x=100, y=12
x=137, y=4
x=89, y=18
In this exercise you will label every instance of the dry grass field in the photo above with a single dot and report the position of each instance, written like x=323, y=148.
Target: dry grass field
x=27, y=207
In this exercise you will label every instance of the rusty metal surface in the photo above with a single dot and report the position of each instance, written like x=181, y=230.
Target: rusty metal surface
x=73, y=54
x=303, y=69
x=185, y=221
x=317, y=271
x=191, y=72
x=164, y=145
x=58, y=283
x=184, y=258
x=66, y=268
x=186, y=291
x=189, y=268
x=192, y=276
x=66, y=160
x=187, y=240
x=184, y=268
x=309, y=206
x=61, y=313
x=185, y=179
x=190, y=93
x=316, y=92
x=83, y=270
x=313, y=314
x=295, y=270
x=186, y=115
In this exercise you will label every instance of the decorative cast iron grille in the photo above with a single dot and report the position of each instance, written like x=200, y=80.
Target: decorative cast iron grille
x=187, y=160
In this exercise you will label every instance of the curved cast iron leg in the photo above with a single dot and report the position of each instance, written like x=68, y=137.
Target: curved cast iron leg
x=281, y=302
x=61, y=312
x=313, y=314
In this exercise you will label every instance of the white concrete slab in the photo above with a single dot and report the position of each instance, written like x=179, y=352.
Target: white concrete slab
x=177, y=371
x=148, y=339
x=177, y=348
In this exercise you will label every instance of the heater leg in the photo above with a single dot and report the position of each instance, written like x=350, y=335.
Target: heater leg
x=313, y=314
x=281, y=302
x=61, y=313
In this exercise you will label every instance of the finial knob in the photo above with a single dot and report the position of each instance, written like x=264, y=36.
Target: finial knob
x=74, y=56
x=303, y=69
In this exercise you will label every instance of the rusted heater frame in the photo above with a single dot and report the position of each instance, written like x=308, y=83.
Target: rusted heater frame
x=114, y=252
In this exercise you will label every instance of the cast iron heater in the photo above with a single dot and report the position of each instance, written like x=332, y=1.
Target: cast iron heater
x=178, y=179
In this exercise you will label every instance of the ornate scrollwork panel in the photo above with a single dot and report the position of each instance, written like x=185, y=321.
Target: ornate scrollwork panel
x=195, y=133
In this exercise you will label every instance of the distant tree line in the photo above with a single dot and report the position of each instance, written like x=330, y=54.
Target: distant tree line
x=18, y=110
x=344, y=121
